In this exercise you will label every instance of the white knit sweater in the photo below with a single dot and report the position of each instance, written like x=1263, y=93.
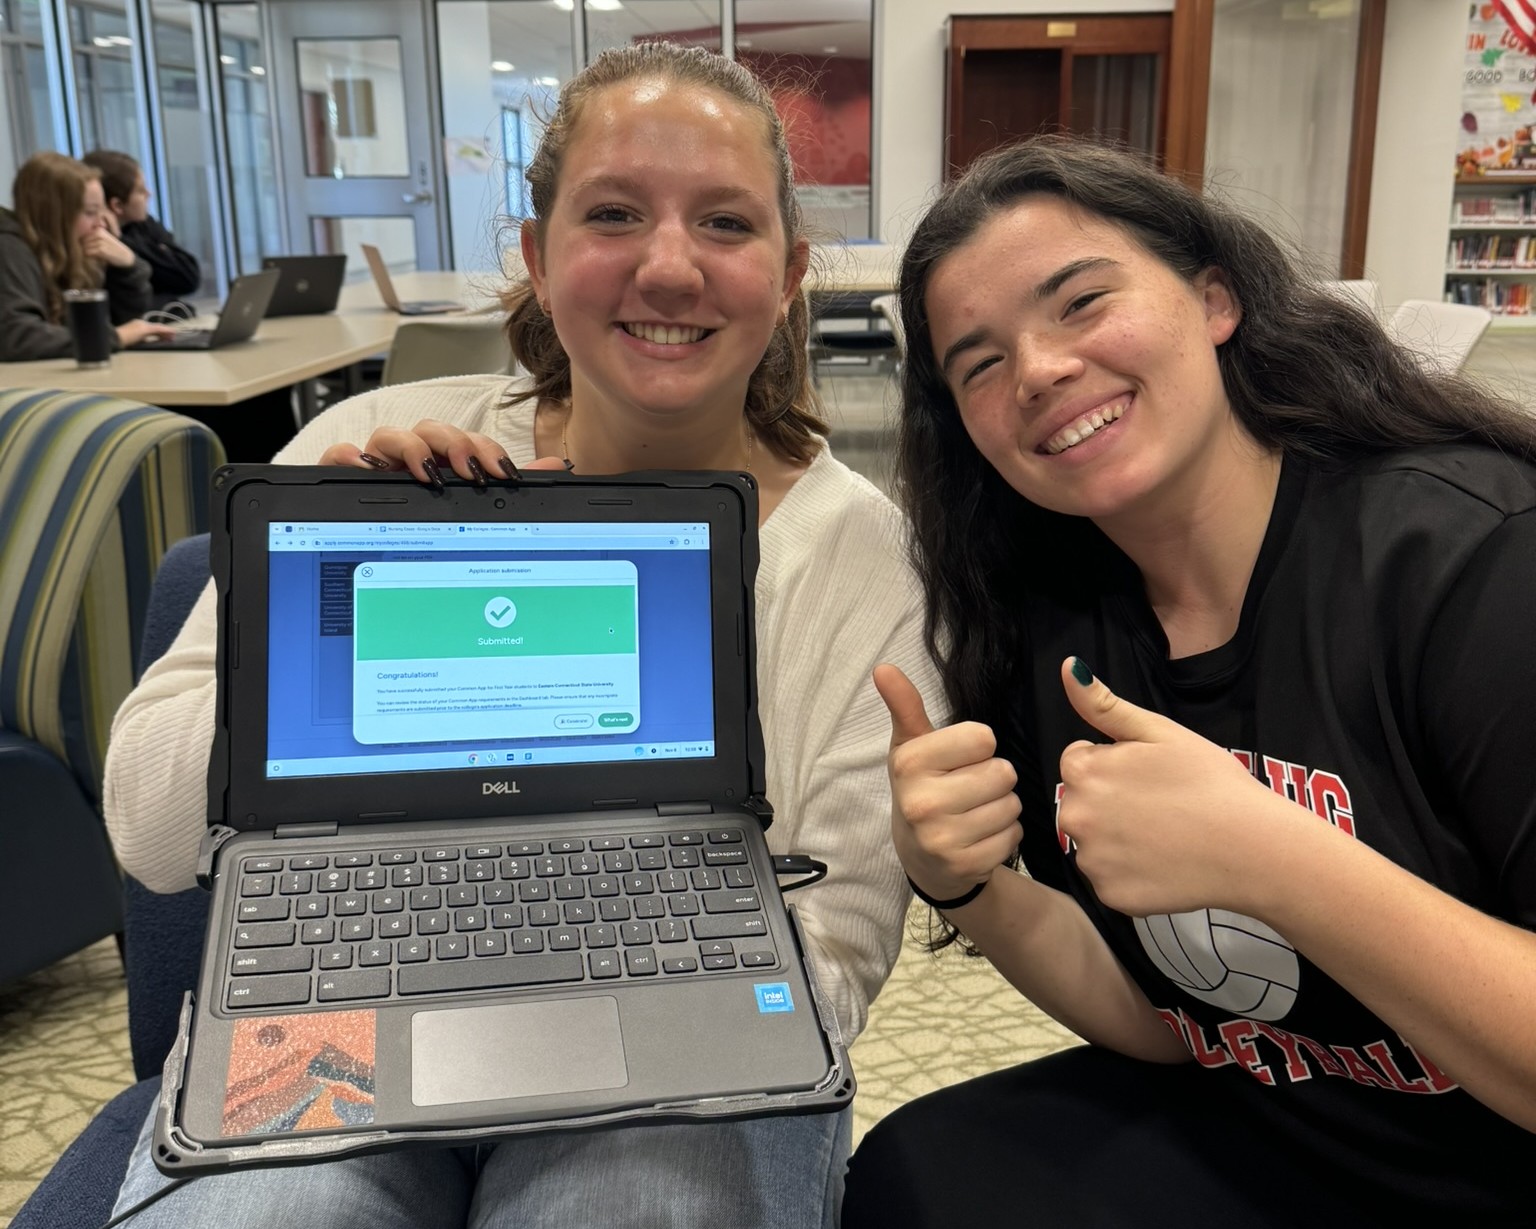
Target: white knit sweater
x=835, y=597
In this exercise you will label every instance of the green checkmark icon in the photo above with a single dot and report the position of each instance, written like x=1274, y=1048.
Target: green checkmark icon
x=500, y=611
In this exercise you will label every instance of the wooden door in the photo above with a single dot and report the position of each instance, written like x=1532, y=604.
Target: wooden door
x=1012, y=77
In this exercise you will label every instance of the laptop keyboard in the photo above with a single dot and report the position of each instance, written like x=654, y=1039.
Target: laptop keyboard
x=404, y=923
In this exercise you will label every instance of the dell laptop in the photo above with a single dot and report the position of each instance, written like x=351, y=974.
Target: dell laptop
x=411, y=307
x=307, y=285
x=486, y=822
x=242, y=312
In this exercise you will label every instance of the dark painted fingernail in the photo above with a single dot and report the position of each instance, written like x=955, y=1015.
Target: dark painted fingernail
x=475, y=471
x=507, y=467
x=434, y=475
x=376, y=462
x=569, y=467
x=1081, y=672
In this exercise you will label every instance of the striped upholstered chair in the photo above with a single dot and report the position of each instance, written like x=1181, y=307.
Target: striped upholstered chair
x=92, y=492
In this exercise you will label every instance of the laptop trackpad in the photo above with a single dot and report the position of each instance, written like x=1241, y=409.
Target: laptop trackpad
x=516, y=1050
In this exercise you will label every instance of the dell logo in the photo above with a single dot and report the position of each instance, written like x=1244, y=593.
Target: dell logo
x=499, y=787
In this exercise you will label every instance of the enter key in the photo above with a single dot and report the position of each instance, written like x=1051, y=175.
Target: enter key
x=736, y=900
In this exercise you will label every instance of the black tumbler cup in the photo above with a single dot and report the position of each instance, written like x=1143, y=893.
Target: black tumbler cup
x=91, y=327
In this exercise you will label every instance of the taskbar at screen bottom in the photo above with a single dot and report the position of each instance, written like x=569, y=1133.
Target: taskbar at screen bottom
x=349, y=765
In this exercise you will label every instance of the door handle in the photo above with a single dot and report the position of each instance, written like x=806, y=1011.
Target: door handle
x=417, y=198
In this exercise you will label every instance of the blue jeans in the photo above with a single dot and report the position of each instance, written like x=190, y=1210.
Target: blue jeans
x=784, y=1171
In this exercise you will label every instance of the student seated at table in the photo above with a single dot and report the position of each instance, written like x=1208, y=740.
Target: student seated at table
x=173, y=271
x=55, y=238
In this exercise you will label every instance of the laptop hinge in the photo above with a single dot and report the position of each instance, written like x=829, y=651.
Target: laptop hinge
x=214, y=836
x=288, y=832
x=684, y=808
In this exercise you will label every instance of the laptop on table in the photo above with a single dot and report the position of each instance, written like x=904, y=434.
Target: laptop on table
x=486, y=822
x=239, y=318
x=410, y=307
x=307, y=285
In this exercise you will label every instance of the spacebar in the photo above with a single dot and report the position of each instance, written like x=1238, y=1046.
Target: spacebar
x=487, y=973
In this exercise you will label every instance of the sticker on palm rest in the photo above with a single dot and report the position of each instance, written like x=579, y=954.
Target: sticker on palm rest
x=300, y=1073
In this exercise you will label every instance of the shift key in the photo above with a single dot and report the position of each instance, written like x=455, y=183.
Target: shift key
x=729, y=926
x=272, y=960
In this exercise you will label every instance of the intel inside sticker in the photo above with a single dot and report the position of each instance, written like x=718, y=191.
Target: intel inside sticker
x=774, y=996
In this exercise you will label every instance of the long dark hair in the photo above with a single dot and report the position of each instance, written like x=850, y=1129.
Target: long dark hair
x=782, y=406
x=1305, y=372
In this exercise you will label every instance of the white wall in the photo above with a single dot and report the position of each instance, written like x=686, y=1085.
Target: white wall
x=909, y=93
x=1416, y=131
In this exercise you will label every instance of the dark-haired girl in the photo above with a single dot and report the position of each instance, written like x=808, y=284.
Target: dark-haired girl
x=1236, y=599
x=173, y=271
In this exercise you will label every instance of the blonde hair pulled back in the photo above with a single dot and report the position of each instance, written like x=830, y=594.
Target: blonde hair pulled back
x=782, y=407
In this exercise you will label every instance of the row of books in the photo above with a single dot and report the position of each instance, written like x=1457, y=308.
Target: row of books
x=1513, y=210
x=1502, y=298
x=1505, y=251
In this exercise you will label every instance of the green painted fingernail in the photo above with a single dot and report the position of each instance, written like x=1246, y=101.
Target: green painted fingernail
x=1081, y=672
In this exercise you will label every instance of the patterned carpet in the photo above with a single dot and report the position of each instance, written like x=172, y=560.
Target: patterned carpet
x=942, y=1019
x=63, y=1055
x=64, y=1047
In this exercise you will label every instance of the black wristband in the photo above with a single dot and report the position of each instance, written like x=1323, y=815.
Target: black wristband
x=947, y=904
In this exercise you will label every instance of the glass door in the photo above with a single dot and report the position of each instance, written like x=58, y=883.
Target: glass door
x=356, y=114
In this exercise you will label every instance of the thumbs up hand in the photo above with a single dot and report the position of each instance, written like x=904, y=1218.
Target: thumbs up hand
x=954, y=814
x=1165, y=821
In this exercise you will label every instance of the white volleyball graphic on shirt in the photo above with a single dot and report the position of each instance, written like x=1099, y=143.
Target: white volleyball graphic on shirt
x=1224, y=959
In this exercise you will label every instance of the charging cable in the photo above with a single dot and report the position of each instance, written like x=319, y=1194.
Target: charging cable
x=798, y=864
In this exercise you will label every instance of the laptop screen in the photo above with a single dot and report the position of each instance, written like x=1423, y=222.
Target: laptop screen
x=441, y=645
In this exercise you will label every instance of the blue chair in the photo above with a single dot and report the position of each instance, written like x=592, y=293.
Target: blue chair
x=163, y=943
x=92, y=492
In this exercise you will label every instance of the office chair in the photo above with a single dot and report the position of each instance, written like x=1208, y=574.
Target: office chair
x=426, y=348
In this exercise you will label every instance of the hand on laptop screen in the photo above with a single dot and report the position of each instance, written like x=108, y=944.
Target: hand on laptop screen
x=476, y=650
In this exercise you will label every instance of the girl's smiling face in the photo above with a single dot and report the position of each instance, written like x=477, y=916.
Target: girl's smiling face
x=664, y=263
x=1084, y=368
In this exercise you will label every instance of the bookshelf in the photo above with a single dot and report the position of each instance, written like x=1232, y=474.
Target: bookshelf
x=1491, y=254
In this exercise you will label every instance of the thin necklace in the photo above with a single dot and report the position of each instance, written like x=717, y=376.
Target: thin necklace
x=565, y=452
